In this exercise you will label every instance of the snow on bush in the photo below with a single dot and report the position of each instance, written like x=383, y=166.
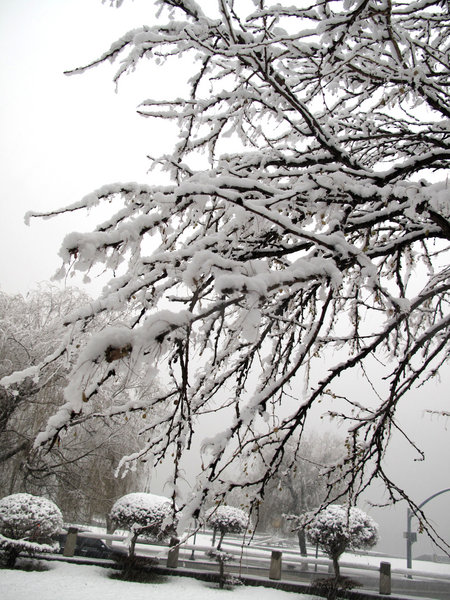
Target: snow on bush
x=144, y=514
x=227, y=519
x=27, y=524
x=27, y=517
x=340, y=528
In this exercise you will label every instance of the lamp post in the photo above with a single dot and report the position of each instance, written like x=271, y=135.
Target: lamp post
x=410, y=536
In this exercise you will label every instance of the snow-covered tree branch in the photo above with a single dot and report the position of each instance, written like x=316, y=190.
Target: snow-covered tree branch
x=305, y=223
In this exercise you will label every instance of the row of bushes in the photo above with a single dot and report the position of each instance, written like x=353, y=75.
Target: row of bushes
x=28, y=524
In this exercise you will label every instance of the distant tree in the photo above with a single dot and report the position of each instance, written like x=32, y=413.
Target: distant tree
x=303, y=232
x=81, y=472
x=30, y=329
x=227, y=519
x=27, y=524
x=339, y=528
x=146, y=515
x=304, y=481
x=78, y=472
x=304, y=478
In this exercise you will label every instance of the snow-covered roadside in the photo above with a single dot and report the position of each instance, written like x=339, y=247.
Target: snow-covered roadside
x=418, y=566
x=348, y=559
x=64, y=581
x=358, y=561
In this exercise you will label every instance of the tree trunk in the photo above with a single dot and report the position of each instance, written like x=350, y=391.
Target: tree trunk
x=222, y=535
x=298, y=506
x=302, y=542
x=337, y=571
x=221, y=574
x=12, y=483
x=110, y=527
x=302, y=545
x=332, y=591
x=132, y=547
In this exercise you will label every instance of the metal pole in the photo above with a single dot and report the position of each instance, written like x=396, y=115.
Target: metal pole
x=412, y=537
x=409, y=515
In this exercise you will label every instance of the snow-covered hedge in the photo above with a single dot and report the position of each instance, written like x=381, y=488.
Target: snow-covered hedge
x=144, y=514
x=340, y=528
x=27, y=517
x=27, y=524
x=227, y=519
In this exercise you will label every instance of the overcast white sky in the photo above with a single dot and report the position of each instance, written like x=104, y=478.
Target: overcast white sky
x=63, y=136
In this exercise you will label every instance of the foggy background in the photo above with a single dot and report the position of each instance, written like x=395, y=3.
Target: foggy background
x=62, y=137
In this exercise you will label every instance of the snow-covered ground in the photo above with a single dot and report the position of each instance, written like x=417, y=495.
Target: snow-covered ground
x=398, y=564
x=64, y=581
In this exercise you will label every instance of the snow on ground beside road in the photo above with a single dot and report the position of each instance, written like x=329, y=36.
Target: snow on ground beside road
x=363, y=559
x=64, y=581
x=261, y=547
x=398, y=563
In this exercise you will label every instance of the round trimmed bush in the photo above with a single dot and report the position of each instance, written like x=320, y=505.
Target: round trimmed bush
x=227, y=519
x=27, y=524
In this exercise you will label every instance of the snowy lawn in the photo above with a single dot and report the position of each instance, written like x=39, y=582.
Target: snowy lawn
x=64, y=581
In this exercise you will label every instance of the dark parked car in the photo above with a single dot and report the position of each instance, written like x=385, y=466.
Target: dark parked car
x=86, y=546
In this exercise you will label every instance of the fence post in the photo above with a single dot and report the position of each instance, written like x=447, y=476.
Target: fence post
x=275, y=565
x=172, y=556
x=71, y=541
x=385, y=578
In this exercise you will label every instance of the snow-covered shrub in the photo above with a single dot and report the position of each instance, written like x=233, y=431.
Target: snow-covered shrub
x=145, y=515
x=148, y=512
x=227, y=519
x=27, y=524
x=221, y=558
x=340, y=528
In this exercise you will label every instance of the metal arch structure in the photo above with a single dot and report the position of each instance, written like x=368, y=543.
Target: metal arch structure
x=410, y=536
